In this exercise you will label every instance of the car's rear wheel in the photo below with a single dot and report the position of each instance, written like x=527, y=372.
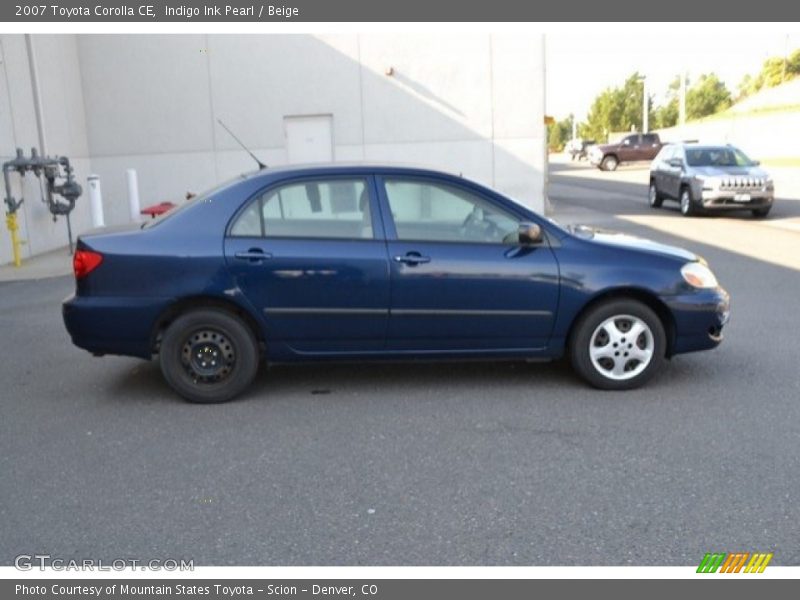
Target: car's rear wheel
x=688, y=208
x=618, y=345
x=609, y=163
x=655, y=198
x=760, y=213
x=208, y=355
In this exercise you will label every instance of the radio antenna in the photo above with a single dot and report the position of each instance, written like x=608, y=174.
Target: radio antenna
x=261, y=165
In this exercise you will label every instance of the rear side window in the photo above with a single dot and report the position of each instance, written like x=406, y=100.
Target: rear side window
x=649, y=138
x=335, y=208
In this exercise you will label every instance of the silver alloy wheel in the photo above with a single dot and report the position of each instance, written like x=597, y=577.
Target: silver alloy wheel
x=621, y=347
x=611, y=163
x=653, y=194
x=686, y=202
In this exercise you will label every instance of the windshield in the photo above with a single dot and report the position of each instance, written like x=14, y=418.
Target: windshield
x=717, y=156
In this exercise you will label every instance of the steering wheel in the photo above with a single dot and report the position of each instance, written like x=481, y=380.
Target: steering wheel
x=484, y=229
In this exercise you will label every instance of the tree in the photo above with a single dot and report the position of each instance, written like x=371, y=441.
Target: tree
x=616, y=109
x=774, y=71
x=559, y=133
x=667, y=114
x=708, y=95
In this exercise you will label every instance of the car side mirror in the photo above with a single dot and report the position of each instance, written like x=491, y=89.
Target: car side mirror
x=755, y=163
x=675, y=162
x=530, y=233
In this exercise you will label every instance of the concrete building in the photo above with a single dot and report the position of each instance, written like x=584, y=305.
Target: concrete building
x=470, y=103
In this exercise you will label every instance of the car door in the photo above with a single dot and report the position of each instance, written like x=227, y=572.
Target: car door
x=460, y=281
x=309, y=254
x=659, y=168
x=629, y=149
x=673, y=172
x=650, y=146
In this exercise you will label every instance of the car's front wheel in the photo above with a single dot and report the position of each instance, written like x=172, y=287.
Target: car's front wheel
x=655, y=198
x=688, y=208
x=208, y=355
x=618, y=345
x=609, y=163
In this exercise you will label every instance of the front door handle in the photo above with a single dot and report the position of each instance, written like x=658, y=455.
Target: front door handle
x=412, y=258
x=253, y=255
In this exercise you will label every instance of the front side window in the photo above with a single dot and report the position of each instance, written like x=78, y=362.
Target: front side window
x=429, y=211
x=337, y=208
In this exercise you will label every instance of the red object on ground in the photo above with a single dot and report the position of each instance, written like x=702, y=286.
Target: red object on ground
x=157, y=209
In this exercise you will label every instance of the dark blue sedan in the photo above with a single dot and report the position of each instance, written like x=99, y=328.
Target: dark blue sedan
x=379, y=262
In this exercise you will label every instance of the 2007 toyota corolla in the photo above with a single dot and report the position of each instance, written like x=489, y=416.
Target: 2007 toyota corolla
x=373, y=262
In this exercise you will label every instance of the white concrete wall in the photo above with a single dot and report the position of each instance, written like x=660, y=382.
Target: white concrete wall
x=64, y=129
x=472, y=104
x=762, y=136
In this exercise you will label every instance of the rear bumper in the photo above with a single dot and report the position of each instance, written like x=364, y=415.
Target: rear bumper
x=699, y=319
x=111, y=325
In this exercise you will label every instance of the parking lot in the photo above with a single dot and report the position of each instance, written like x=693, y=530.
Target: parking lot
x=443, y=464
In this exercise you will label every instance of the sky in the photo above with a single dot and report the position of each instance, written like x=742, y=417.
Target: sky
x=581, y=65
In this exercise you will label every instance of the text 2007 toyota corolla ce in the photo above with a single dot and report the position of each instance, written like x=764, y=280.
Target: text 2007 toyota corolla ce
x=381, y=262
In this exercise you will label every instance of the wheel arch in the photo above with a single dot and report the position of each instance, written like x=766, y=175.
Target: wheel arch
x=186, y=304
x=644, y=296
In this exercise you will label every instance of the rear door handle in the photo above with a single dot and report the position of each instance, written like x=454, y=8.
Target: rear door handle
x=253, y=255
x=412, y=258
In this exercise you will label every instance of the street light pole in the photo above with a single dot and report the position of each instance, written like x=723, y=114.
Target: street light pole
x=645, y=107
x=682, y=99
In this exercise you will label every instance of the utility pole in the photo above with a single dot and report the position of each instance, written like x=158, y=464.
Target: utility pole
x=645, y=107
x=682, y=99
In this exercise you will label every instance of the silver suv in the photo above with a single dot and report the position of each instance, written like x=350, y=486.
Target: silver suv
x=709, y=178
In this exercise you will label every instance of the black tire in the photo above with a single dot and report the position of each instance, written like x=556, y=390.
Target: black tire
x=587, y=331
x=688, y=208
x=208, y=355
x=655, y=199
x=609, y=163
x=760, y=213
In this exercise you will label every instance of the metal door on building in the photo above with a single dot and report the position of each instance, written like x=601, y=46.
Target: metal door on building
x=309, y=138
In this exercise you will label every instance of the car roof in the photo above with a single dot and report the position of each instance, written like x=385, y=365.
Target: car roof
x=347, y=167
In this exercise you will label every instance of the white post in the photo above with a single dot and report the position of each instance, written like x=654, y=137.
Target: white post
x=95, y=201
x=133, y=196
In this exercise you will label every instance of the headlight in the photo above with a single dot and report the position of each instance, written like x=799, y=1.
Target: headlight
x=698, y=275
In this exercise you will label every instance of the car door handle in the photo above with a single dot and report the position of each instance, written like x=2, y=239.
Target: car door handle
x=412, y=258
x=253, y=255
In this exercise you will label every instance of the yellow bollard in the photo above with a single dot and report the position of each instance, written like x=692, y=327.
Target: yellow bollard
x=13, y=227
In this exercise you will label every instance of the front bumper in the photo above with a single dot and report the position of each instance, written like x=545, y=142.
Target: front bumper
x=736, y=200
x=699, y=319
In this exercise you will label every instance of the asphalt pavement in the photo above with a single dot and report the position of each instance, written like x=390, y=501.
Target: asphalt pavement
x=417, y=464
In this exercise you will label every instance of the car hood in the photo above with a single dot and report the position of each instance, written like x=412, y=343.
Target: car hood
x=622, y=240
x=605, y=147
x=729, y=171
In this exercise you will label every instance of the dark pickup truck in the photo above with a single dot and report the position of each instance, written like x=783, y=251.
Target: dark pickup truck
x=632, y=148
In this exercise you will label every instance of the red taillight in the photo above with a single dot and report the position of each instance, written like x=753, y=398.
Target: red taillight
x=84, y=262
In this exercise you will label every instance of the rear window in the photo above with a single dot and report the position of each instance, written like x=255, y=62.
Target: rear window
x=189, y=202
